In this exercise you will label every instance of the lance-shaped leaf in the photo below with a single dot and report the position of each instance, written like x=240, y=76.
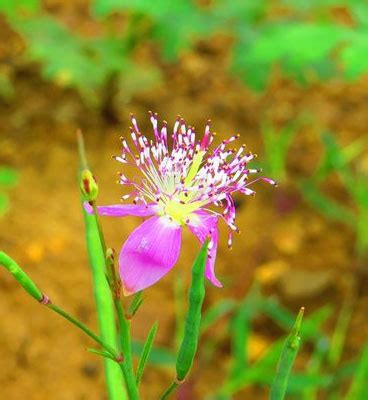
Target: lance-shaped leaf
x=146, y=352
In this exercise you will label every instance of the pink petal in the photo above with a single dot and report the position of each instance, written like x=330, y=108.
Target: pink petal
x=122, y=210
x=150, y=252
x=203, y=224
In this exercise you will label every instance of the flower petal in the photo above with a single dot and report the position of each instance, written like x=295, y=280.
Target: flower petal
x=122, y=210
x=203, y=224
x=150, y=252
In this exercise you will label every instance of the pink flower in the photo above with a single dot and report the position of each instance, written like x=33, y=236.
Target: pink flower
x=176, y=188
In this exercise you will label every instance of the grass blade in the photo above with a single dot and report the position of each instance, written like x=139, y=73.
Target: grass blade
x=359, y=387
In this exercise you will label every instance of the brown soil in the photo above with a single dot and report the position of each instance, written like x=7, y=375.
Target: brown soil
x=44, y=358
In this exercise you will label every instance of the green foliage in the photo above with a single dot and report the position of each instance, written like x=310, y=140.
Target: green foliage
x=276, y=146
x=305, y=44
x=359, y=386
x=354, y=181
x=146, y=352
x=8, y=178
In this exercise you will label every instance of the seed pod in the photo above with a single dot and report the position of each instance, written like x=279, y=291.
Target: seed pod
x=20, y=276
x=88, y=185
x=189, y=344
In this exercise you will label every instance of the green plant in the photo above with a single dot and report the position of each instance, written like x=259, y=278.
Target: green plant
x=306, y=43
x=8, y=178
x=354, y=181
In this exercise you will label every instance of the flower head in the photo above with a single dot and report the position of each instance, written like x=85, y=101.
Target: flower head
x=182, y=182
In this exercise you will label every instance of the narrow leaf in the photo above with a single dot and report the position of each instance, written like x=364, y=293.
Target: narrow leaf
x=359, y=387
x=101, y=353
x=146, y=351
x=216, y=312
x=136, y=303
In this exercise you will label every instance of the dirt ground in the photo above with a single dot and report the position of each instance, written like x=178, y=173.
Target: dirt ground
x=41, y=356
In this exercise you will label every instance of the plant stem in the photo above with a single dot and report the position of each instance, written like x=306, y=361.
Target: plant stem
x=125, y=343
x=102, y=293
x=169, y=391
x=124, y=326
x=82, y=327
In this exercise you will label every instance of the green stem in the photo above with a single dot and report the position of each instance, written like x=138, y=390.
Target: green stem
x=169, y=391
x=125, y=343
x=124, y=326
x=82, y=327
x=102, y=293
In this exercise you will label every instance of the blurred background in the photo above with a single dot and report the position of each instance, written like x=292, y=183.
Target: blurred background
x=292, y=78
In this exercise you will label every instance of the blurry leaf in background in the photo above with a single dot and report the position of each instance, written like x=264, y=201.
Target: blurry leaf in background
x=138, y=78
x=8, y=178
x=359, y=386
x=324, y=204
x=276, y=145
x=175, y=24
x=298, y=47
x=69, y=59
x=13, y=8
x=351, y=55
x=6, y=86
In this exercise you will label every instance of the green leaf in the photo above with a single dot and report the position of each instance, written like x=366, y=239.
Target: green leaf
x=351, y=55
x=359, y=386
x=276, y=145
x=216, y=312
x=159, y=356
x=300, y=48
x=241, y=328
x=16, y=8
x=8, y=177
x=102, y=353
x=136, y=303
x=71, y=60
x=286, y=361
x=145, y=353
x=326, y=206
x=4, y=203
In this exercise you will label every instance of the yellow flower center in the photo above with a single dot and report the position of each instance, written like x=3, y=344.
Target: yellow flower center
x=181, y=211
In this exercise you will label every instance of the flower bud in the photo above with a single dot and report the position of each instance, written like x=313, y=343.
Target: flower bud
x=88, y=185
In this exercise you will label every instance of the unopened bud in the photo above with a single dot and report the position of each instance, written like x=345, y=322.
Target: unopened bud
x=89, y=186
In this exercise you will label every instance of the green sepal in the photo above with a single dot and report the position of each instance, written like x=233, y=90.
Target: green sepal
x=24, y=280
x=189, y=344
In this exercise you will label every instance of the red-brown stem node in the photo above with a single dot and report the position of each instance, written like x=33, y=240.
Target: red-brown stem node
x=45, y=300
